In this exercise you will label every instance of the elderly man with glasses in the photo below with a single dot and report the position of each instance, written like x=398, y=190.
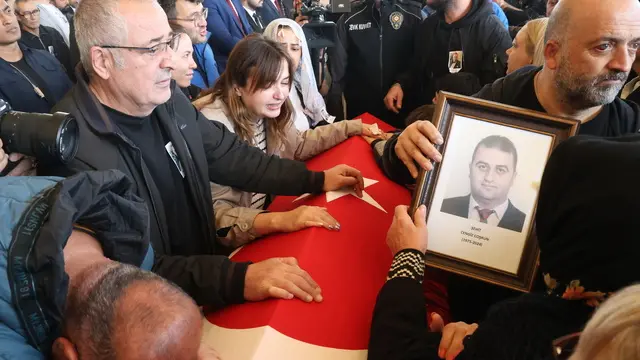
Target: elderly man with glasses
x=133, y=118
x=191, y=17
x=38, y=36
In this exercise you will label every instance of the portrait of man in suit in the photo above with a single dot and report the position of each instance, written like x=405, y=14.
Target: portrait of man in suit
x=492, y=172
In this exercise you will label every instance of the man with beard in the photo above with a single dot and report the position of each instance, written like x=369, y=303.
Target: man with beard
x=463, y=27
x=590, y=48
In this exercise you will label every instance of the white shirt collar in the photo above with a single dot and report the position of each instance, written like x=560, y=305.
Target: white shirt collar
x=498, y=210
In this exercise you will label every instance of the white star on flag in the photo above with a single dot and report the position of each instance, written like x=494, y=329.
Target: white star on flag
x=337, y=194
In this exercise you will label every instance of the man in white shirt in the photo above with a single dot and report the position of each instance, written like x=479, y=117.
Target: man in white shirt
x=492, y=172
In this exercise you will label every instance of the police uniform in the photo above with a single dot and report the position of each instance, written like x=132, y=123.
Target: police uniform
x=375, y=45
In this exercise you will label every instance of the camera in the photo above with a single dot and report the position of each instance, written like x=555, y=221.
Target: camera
x=319, y=32
x=50, y=138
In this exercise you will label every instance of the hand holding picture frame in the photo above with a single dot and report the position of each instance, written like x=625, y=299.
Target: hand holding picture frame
x=481, y=199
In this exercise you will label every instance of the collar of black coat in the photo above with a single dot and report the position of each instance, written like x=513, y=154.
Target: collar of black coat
x=93, y=111
x=102, y=201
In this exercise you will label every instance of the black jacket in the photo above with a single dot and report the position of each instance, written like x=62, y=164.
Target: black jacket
x=208, y=152
x=513, y=218
x=371, y=53
x=522, y=328
x=50, y=37
x=480, y=36
x=530, y=9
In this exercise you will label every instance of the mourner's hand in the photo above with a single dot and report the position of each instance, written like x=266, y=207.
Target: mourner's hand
x=416, y=144
x=304, y=217
x=25, y=166
x=499, y=2
x=341, y=176
x=393, y=100
x=279, y=278
x=406, y=233
x=453, y=335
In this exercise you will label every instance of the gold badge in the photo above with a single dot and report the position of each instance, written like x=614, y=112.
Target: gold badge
x=396, y=18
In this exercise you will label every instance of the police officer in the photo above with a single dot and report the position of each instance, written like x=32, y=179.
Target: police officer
x=375, y=44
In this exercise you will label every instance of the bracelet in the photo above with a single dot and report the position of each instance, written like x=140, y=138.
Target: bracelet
x=408, y=263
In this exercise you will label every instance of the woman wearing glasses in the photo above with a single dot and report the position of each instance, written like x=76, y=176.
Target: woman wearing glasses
x=252, y=99
x=589, y=250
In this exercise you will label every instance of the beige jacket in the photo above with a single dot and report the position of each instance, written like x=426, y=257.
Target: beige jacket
x=231, y=206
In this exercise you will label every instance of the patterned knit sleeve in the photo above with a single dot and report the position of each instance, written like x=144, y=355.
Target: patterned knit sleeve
x=408, y=263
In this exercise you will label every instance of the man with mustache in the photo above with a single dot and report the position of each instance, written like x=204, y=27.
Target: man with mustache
x=491, y=173
x=131, y=117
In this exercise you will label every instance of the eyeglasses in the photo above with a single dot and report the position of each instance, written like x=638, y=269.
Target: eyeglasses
x=30, y=13
x=564, y=347
x=195, y=18
x=153, y=50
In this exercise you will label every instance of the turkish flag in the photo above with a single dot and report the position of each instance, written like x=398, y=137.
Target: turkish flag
x=350, y=266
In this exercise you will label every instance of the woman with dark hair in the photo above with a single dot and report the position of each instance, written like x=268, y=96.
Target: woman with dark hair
x=251, y=98
x=589, y=249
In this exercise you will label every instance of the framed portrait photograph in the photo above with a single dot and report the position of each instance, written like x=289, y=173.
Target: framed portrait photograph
x=481, y=199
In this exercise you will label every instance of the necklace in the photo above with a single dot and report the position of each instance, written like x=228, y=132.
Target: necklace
x=35, y=88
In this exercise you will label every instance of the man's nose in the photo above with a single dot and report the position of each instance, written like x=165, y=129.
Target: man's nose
x=622, y=59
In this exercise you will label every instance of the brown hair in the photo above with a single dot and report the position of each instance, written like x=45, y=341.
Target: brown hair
x=424, y=112
x=254, y=61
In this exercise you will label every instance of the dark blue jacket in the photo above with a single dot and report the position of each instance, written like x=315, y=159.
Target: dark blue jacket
x=19, y=93
x=225, y=29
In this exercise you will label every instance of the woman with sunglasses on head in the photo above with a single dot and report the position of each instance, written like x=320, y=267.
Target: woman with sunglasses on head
x=589, y=250
x=184, y=65
x=251, y=98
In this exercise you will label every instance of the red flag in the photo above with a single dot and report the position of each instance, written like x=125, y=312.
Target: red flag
x=350, y=266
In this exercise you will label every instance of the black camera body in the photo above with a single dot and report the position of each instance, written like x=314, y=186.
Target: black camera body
x=50, y=138
x=320, y=33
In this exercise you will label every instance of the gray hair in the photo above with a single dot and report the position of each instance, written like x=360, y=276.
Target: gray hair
x=613, y=331
x=91, y=310
x=98, y=22
x=559, y=23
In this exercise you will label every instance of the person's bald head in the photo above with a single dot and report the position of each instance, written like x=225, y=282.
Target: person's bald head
x=590, y=47
x=117, y=311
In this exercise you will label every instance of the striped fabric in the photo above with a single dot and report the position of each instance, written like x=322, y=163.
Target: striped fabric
x=259, y=141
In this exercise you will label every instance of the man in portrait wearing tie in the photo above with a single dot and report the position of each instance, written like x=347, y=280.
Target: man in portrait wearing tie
x=492, y=172
x=252, y=7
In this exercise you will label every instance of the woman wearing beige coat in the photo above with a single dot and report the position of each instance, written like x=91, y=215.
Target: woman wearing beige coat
x=251, y=98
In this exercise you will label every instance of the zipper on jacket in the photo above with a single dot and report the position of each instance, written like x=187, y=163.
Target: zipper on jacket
x=380, y=40
x=153, y=201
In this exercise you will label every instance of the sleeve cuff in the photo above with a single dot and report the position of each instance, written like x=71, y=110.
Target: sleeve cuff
x=236, y=286
x=408, y=263
x=317, y=182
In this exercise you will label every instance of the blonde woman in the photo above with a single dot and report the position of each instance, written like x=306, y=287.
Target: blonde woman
x=612, y=332
x=251, y=98
x=528, y=46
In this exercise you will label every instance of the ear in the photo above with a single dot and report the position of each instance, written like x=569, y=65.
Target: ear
x=63, y=349
x=552, y=54
x=102, y=62
x=237, y=91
